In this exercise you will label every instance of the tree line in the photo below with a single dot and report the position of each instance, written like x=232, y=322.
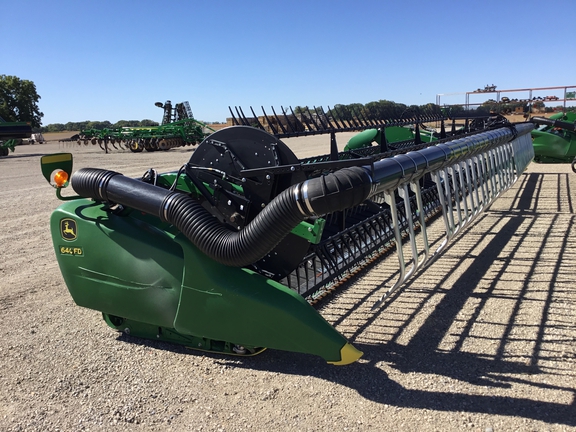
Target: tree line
x=526, y=106
x=19, y=102
x=99, y=125
x=381, y=109
x=378, y=109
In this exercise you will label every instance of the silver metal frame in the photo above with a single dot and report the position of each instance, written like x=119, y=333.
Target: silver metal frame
x=470, y=173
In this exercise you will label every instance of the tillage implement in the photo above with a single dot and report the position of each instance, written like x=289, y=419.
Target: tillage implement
x=178, y=128
x=231, y=252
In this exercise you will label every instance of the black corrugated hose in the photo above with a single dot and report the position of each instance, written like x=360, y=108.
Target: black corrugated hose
x=333, y=192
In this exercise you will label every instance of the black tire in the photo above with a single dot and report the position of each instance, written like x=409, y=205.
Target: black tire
x=136, y=147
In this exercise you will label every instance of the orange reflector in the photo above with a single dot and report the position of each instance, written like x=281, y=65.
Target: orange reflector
x=59, y=179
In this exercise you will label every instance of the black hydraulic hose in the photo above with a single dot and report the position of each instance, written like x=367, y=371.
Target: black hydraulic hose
x=333, y=192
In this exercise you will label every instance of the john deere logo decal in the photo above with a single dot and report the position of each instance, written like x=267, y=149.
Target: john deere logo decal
x=68, y=229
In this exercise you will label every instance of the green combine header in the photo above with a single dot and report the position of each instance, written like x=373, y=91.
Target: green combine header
x=555, y=139
x=231, y=253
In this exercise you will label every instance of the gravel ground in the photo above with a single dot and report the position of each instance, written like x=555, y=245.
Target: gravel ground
x=483, y=340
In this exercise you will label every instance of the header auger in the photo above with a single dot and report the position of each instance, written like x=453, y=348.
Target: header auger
x=231, y=252
x=178, y=129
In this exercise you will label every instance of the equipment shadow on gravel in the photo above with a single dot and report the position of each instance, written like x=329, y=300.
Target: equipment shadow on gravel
x=537, y=205
x=530, y=210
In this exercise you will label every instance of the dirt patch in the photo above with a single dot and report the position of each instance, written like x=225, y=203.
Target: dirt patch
x=57, y=136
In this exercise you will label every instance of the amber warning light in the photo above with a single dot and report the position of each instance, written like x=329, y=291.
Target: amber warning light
x=59, y=178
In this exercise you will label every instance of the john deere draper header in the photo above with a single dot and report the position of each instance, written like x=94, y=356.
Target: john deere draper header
x=230, y=252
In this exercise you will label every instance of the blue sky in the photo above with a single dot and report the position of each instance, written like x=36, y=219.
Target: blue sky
x=111, y=60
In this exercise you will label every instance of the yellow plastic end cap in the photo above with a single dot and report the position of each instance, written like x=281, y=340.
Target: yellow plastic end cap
x=348, y=354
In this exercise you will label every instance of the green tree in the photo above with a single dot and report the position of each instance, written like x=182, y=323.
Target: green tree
x=455, y=110
x=148, y=122
x=126, y=123
x=355, y=109
x=301, y=110
x=99, y=125
x=373, y=110
x=19, y=101
x=486, y=108
x=341, y=112
x=54, y=127
x=75, y=126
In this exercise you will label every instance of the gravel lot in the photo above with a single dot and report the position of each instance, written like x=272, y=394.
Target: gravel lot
x=483, y=340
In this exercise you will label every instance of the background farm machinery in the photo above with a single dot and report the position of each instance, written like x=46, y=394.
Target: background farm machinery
x=178, y=129
x=231, y=252
x=555, y=138
x=11, y=133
